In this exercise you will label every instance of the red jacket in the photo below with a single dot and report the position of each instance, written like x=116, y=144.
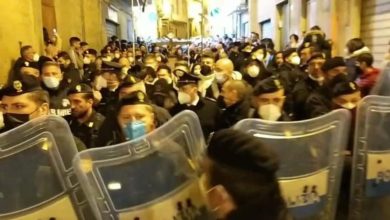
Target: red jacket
x=367, y=80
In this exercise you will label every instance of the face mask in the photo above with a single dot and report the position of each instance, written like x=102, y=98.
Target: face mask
x=100, y=83
x=269, y=112
x=117, y=56
x=131, y=59
x=134, y=130
x=253, y=71
x=220, y=77
x=296, y=60
x=86, y=60
x=349, y=105
x=36, y=57
x=319, y=79
x=183, y=98
x=12, y=120
x=51, y=82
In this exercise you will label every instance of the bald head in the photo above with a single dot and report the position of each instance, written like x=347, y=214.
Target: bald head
x=239, y=86
x=233, y=91
x=225, y=65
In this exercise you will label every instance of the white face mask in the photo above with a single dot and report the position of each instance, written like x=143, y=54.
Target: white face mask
x=86, y=60
x=183, y=98
x=317, y=79
x=100, y=83
x=269, y=112
x=117, y=55
x=51, y=82
x=296, y=60
x=253, y=71
x=220, y=77
x=36, y=57
x=349, y=105
x=131, y=59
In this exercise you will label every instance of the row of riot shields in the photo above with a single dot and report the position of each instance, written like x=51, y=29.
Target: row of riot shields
x=158, y=176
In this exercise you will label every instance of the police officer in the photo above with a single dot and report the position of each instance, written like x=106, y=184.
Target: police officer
x=90, y=66
x=235, y=162
x=53, y=82
x=23, y=100
x=84, y=121
x=269, y=100
x=110, y=71
x=72, y=75
x=189, y=99
x=134, y=116
x=311, y=82
x=320, y=101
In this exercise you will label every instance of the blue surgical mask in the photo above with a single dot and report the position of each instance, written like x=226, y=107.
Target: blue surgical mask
x=134, y=130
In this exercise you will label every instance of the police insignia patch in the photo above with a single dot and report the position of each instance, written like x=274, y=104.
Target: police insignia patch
x=65, y=103
x=78, y=88
x=18, y=86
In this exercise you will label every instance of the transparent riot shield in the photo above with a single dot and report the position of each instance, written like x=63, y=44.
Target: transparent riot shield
x=311, y=160
x=152, y=177
x=370, y=186
x=36, y=176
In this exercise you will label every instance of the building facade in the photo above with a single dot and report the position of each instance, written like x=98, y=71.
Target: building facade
x=91, y=20
x=278, y=19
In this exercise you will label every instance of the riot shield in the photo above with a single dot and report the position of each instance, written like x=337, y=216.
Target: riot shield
x=152, y=177
x=311, y=160
x=370, y=186
x=36, y=176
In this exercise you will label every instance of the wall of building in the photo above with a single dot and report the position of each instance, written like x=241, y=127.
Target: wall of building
x=340, y=20
x=21, y=24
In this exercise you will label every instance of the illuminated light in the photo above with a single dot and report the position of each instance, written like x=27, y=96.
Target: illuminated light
x=46, y=145
x=167, y=8
x=86, y=165
x=287, y=133
x=114, y=186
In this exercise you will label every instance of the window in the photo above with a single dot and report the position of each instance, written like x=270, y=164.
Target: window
x=266, y=29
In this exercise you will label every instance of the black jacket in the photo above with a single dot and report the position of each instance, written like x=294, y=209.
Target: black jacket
x=72, y=76
x=318, y=103
x=301, y=92
x=59, y=102
x=108, y=103
x=88, y=131
x=232, y=114
x=207, y=111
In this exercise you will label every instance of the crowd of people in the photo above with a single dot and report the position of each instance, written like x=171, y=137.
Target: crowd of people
x=122, y=92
